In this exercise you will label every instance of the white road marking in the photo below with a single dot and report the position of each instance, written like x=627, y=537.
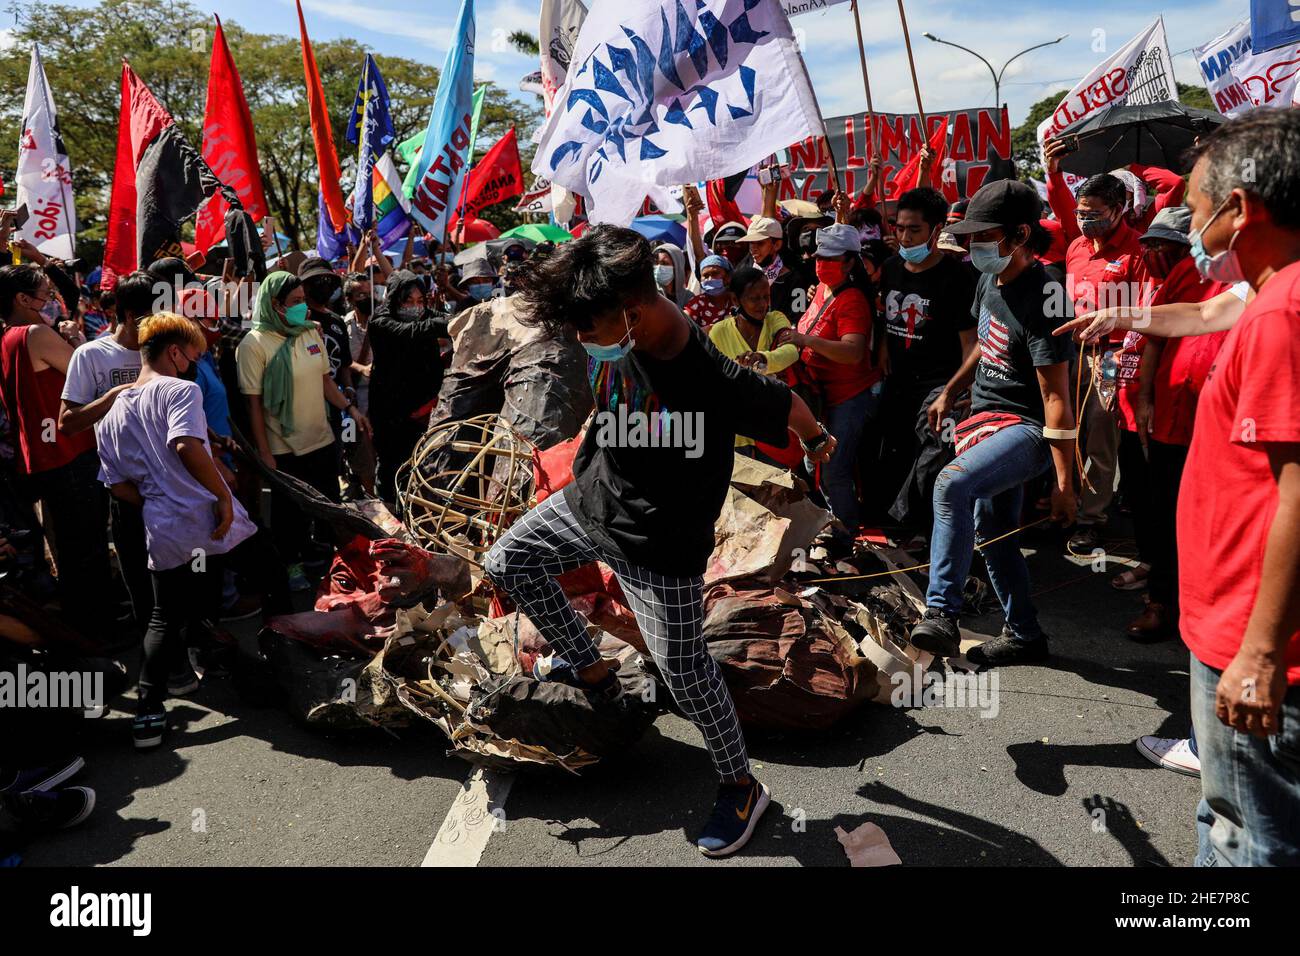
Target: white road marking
x=476, y=813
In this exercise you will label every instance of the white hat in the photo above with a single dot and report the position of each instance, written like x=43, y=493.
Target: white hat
x=761, y=228
x=837, y=239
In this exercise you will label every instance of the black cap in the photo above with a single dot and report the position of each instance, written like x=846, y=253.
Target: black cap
x=1005, y=203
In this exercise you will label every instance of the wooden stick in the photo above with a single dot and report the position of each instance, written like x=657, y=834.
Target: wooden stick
x=872, y=138
x=916, y=87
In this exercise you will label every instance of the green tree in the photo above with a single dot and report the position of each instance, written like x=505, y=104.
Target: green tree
x=169, y=45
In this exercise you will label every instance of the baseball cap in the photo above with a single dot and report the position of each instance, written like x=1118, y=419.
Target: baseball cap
x=1172, y=223
x=729, y=232
x=948, y=243
x=1005, y=203
x=760, y=228
x=314, y=266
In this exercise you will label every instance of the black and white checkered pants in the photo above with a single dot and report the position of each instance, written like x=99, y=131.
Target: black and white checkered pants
x=548, y=541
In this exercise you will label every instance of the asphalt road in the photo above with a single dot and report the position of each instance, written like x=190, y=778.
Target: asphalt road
x=237, y=784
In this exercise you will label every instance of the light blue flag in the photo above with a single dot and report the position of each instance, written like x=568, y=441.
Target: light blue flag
x=443, y=161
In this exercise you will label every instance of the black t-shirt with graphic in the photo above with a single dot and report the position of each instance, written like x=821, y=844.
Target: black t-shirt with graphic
x=338, y=345
x=654, y=500
x=1015, y=323
x=924, y=314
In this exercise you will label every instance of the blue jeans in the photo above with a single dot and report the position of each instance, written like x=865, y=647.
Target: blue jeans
x=846, y=421
x=979, y=495
x=1249, y=814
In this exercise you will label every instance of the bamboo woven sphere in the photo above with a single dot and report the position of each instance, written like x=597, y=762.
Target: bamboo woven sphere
x=465, y=483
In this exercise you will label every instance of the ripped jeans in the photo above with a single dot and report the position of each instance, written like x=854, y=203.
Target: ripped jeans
x=979, y=495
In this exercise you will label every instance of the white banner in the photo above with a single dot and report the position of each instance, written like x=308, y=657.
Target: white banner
x=537, y=199
x=660, y=95
x=44, y=173
x=1139, y=72
x=1216, y=59
x=560, y=25
x=1271, y=79
x=796, y=7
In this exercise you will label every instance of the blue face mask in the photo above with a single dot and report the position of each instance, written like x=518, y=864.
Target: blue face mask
x=479, y=291
x=1222, y=267
x=664, y=274
x=915, y=254
x=612, y=353
x=711, y=286
x=984, y=256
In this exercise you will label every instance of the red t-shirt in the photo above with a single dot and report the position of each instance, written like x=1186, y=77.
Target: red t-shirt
x=1184, y=364
x=848, y=313
x=1183, y=284
x=706, y=310
x=1229, y=496
x=1112, y=275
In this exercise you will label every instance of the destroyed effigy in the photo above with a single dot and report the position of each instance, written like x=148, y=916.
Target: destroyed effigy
x=466, y=482
x=536, y=381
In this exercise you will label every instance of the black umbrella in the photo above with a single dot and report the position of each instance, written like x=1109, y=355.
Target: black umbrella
x=1154, y=134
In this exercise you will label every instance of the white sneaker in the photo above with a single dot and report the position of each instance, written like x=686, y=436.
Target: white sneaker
x=1172, y=753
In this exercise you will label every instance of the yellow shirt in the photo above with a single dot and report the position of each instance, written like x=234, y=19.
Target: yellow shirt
x=311, y=427
x=726, y=338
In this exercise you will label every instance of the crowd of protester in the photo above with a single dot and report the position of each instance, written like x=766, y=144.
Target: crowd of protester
x=923, y=336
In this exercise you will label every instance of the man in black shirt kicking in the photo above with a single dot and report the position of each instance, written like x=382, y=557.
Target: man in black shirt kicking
x=648, y=484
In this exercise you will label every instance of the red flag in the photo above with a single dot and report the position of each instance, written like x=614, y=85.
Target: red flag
x=496, y=177
x=905, y=178
x=327, y=160
x=141, y=119
x=228, y=146
x=722, y=208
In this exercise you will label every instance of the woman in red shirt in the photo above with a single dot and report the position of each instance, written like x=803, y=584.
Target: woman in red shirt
x=57, y=469
x=834, y=338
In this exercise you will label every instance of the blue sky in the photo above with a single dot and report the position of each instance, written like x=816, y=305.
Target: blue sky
x=950, y=79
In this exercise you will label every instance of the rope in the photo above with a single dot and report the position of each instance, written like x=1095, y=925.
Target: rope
x=921, y=567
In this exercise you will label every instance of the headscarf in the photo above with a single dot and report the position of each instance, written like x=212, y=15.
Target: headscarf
x=277, y=378
x=680, y=278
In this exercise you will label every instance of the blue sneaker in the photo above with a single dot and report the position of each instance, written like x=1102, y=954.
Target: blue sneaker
x=735, y=814
x=39, y=779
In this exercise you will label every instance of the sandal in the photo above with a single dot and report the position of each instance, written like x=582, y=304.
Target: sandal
x=1131, y=579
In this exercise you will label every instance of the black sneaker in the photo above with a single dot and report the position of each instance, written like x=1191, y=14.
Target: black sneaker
x=55, y=809
x=735, y=814
x=937, y=632
x=562, y=672
x=1008, y=649
x=148, y=729
x=18, y=782
x=1084, y=541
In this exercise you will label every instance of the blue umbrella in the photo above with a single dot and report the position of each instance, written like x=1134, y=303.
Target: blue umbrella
x=661, y=229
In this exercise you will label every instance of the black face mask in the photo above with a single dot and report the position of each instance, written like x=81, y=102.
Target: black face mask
x=410, y=313
x=362, y=306
x=191, y=372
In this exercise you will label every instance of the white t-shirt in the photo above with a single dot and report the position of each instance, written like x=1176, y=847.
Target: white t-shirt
x=135, y=445
x=356, y=339
x=98, y=366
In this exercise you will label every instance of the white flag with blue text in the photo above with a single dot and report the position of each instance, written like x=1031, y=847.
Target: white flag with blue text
x=677, y=91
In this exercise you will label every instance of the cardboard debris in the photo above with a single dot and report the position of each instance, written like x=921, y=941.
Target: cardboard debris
x=867, y=846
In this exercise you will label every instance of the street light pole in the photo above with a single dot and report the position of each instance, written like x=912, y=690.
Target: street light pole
x=996, y=74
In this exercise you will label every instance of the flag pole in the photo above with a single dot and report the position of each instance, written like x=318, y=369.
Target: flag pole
x=872, y=138
x=911, y=63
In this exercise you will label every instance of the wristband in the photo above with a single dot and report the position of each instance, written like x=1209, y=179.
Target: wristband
x=816, y=442
x=1060, y=433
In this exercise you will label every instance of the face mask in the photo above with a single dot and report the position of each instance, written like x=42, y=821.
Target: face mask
x=296, y=314
x=1161, y=263
x=830, y=272
x=51, y=312
x=984, y=257
x=664, y=275
x=711, y=286
x=1223, y=266
x=410, y=313
x=1096, y=228
x=612, y=353
x=191, y=370
x=362, y=307
x=479, y=291
x=915, y=254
